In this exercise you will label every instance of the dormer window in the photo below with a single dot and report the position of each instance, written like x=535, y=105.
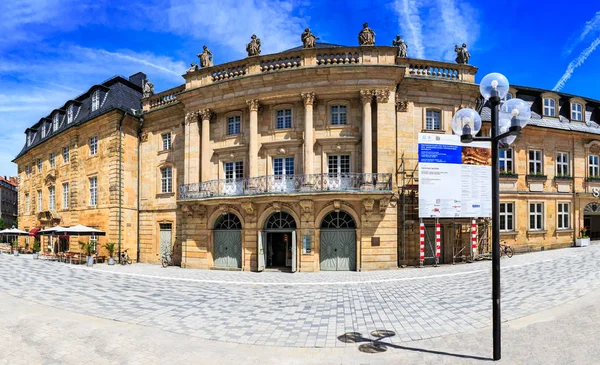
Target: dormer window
x=55, y=122
x=28, y=139
x=549, y=107
x=43, y=130
x=70, y=114
x=96, y=100
x=576, y=112
x=507, y=97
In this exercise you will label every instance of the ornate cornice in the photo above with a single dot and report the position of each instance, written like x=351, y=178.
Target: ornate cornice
x=206, y=114
x=402, y=105
x=191, y=117
x=382, y=95
x=366, y=96
x=253, y=104
x=309, y=98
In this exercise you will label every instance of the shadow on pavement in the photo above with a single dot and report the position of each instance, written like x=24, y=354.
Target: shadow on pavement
x=373, y=346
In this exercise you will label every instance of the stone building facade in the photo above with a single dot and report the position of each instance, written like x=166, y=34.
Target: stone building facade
x=306, y=160
x=9, y=187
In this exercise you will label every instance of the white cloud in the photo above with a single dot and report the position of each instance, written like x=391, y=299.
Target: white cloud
x=230, y=23
x=590, y=27
x=409, y=13
x=576, y=63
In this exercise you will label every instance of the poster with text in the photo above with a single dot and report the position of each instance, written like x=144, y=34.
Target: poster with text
x=455, y=179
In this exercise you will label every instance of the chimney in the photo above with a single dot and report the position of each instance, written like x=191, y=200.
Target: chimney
x=138, y=79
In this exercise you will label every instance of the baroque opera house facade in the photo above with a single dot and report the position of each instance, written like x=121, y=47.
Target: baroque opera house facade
x=306, y=160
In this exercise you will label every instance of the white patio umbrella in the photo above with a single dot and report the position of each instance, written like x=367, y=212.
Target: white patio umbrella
x=80, y=230
x=14, y=232
x=52, y=232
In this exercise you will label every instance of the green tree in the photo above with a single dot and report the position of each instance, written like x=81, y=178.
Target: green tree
x=2, y=225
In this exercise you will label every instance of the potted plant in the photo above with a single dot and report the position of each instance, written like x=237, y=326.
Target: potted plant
x=15, y=245
x=110, y=247
x=36, y=249
x=88, y=247
x=583, y=239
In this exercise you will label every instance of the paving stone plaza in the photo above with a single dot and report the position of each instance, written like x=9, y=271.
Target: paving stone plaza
x=306, y=310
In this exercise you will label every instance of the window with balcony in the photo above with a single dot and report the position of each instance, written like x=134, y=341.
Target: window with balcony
x=51, y=159
x=234, y=125
x=536, y=216
x=234, y=170
x=339, y=115
x=39, y=201
x=564, y=217
x=283, y=166
x=166, y=141
x=535, y=162
x=576, y=112
x=51, y=201
x=65, y=196
x=433, y=120
x=562, y=164
x=70, y=114
x=507, y=217
x=95, y=100
x=284, y=118
x=65, y=153
x=93, y=181
x=338, y=164
x=549, y=107
x=594, y=166
x=166, y=180
x=93, y=145
x=505, y=161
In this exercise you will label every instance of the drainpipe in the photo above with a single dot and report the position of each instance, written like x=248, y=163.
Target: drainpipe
x=121, y=179
x=139, y=158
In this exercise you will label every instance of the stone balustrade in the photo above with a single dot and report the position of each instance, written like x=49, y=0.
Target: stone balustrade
x=343, y=58
x=281, y=63
x=164, y=98
x=230, y=72
x=440, y=70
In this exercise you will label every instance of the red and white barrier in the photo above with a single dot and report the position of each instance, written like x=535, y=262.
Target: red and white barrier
x=437, y=240
x=474, y=237
x=422, y=242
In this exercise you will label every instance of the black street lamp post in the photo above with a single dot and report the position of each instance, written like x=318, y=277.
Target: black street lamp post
x=507, y=124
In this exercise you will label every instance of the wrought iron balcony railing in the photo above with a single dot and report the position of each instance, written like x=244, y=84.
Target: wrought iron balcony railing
x=286, y=184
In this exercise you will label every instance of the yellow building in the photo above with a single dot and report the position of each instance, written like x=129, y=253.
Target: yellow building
x=306, y=160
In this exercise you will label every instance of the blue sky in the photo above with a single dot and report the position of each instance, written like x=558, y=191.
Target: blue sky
x=53, y=50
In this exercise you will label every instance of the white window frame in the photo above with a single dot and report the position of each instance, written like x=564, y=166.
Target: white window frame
x=28, y=170
x=93, y=145
x=538, y=215
x=577, y=112
x=508, y=216
x=27, y=203
x=234, y=170
x=284, y=166
x=55, y=122
x=28, y=139
x=537, y=161
x=65, y=153
x=593, y=166
x=431, y=124
x=166, y=141
x=562, y=164
x=563, y=214
x=51, y=198
x=166, y=179
x=342, y=164
x=43, y=130
x=95, y=100
x=65, y=196
x=234, y=125
x=70, y=114
x=549, y=107
x=505, y=158
x=39, y=165
x=93, y=182
x=39, y=201
x=337, y=116
x=285, y=118
x=51, y=160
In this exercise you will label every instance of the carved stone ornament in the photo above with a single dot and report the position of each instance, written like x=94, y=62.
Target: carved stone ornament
x=206, y=114
x=253, y=104
x=193, y=67
x=308, y=98
x=308, y=39
x=382, y=96
x=194, y=210
x=595, y=149
x=307, y=206
x=277, y=206
x=253, y=48
x=366, y=37
x=206, y=57
x=281, y=151
x=191, y=117
x=337, y=205
x=400, y=46
x=148, y=88
x=366, y=96
x=248, y=207
x=383, y=204
x=462, y=55
x=144, y=136
x=368, y=206
x=223, y=209
x=402, y=105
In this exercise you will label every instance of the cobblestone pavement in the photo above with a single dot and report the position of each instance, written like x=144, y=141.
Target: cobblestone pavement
x=306, y=309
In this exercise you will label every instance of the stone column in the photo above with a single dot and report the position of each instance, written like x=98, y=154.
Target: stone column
x=386, y=132
x=192, y=149
x=366, y=97
x=253, y=145
x=206, y=114
x=309, y=99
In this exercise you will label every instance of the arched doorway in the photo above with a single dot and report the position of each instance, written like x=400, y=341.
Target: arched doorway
x=227, y=244
x=591, y=220
x=280, y=237
x=337, y=250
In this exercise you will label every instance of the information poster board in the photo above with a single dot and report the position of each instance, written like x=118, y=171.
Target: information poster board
x=455, y=179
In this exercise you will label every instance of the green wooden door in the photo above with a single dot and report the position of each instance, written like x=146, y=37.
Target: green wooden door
x=338, y=250
x=228, y=249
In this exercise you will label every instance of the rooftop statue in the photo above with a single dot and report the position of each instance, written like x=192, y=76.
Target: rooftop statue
x=193, y=67
x=253, y=48
x=148, y=88
x=206, y=57
x=308, y=38
x=462, y=55
x=366, y=37
x=400, y=45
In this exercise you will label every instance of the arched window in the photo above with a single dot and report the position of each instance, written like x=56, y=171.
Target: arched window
x=228, y=221
x=280, y=220
x=338, y=220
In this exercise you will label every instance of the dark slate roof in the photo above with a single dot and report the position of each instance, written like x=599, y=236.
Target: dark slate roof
x=317, y=45
x=115, y=93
